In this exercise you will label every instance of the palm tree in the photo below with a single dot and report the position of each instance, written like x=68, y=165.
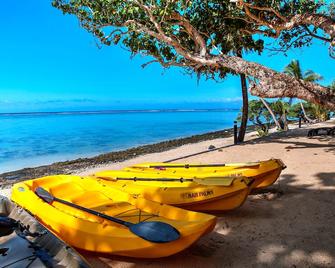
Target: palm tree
x=294, y=69
x=332, y=86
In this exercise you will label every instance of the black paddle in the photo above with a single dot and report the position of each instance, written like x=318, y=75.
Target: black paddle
x=214, y=181
x=153, y=231
x=202, y=165
x=7, y=225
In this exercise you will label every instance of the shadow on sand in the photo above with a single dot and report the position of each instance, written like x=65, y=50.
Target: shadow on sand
x=295, y=228
x=291, y=138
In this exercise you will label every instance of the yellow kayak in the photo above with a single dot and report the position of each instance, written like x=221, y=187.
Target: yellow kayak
x=90, y=232
x=211, y=194
x=264, y=173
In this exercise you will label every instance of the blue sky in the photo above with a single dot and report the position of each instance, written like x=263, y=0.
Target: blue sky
x=47, y=62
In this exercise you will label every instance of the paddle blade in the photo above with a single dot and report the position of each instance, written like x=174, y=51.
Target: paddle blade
x=44, y=195
x=7, y=225
x=155, y=231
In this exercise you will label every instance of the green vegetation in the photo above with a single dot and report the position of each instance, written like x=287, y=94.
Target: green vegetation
x=294, y=69
x=260, y=116
x=316, y=112
x=204, y=37
x=310, y=111
x=209, y=38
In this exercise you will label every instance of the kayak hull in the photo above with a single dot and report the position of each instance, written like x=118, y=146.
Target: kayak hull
x=190, y=195
x=187, y=195
x=267, y=179
x=92, y=233
x=225, y=203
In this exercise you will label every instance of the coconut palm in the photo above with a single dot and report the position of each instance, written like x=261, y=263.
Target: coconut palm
x=294, y=69
x=332, y=86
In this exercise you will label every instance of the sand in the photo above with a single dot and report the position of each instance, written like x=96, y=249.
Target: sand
x=292, y=224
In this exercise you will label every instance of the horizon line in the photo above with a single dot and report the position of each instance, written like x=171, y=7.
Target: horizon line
x=116, y=111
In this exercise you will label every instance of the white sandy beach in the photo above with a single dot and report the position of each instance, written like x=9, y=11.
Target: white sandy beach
x=290, y=225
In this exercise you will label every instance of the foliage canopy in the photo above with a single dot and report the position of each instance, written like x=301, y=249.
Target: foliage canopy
x=204, y=35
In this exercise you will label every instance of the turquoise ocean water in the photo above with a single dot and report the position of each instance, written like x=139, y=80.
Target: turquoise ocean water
x=34, y=139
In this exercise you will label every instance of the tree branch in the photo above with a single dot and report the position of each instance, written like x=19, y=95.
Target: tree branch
x=193, y=33
x=280, y=23
x=269, y=83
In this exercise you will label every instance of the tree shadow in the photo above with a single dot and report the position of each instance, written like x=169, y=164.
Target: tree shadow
x=326, y=178
x=294, y=229
x=296, y=139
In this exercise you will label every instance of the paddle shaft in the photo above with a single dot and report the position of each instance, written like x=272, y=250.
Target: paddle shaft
x=195, y=166
x=186, y=166
x=152, y=231
x=154, y=179
x=219, y=181
x=93, y=212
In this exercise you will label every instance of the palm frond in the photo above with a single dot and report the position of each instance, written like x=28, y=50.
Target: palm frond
x=294, y=69
x=311, y=76
x=332, y=86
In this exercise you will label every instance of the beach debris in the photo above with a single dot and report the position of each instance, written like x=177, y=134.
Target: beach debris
x=322, y=131
x=269, y=194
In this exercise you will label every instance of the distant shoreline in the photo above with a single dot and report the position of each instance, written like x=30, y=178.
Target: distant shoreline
x=120, y=111
x=69, y=167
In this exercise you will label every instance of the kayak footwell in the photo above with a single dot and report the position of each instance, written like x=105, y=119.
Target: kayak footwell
x=92, y=233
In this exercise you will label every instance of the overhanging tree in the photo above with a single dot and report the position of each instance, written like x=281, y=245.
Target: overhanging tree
x=190, y=34
x=294, y=69
x=295, y=23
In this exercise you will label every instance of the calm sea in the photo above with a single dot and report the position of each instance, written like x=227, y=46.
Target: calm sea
x=33, y=139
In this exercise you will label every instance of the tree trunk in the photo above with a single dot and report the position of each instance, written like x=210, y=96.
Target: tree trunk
x=273, y=84
x=268, y=83
x=285, y=111
x=290, y=102
x=304, y=113
x=284, y=119
x=272, y=114
x=244, y=120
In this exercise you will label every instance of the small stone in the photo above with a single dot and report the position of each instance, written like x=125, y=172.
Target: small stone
x=211, y=147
